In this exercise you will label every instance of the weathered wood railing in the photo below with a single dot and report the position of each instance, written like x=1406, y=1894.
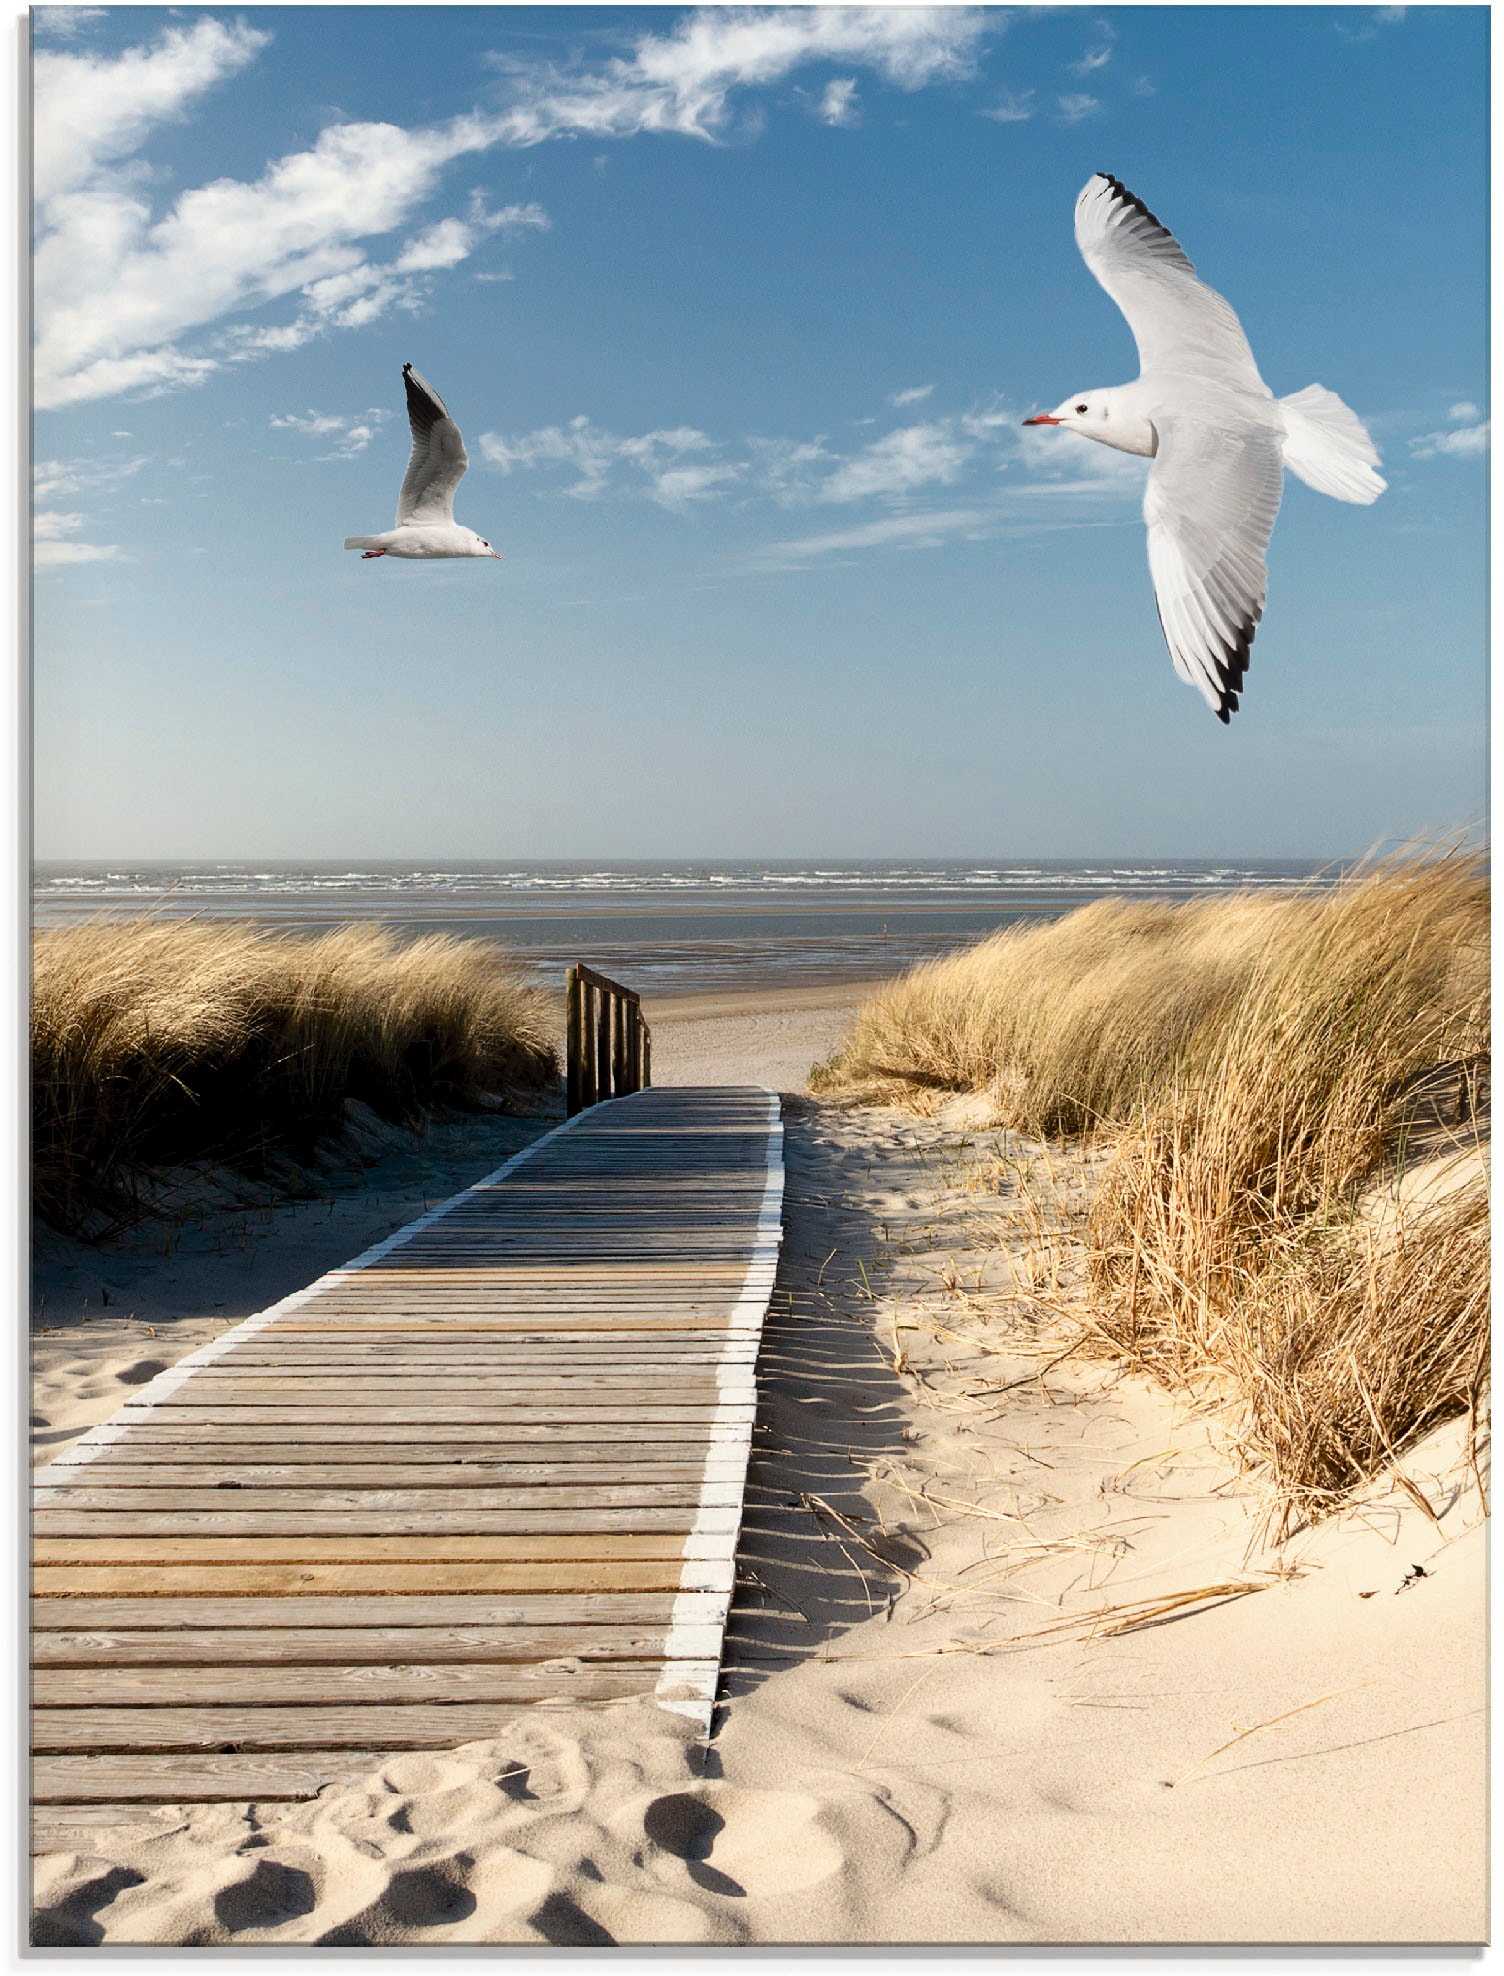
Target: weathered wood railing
x=609, y=1050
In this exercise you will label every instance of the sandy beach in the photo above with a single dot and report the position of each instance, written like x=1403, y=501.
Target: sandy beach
x=1011, y=1659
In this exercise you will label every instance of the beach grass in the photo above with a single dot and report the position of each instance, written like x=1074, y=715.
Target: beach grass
x=1266, y=1068
x=158, y=1044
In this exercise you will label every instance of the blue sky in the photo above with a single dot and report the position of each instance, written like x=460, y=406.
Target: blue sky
x=739, y=311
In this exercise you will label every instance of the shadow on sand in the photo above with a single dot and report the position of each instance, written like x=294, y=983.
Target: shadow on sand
x=813, y=1560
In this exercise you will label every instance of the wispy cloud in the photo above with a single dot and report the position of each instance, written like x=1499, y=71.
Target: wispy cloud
x=1370, y=22
x=53, y=480
x=1462, y=442
x=912, y=396
x=63, y=23
x=127, y=295
x=1099, y=54
x=838, y=104
x=93, y=108
x=681, y=466
x=349, y=434
x=1012, y=107
x=913, y=456
x=653, y=461
x=686, y=80
x=51, y=531
x=924, y=529
x=1074, y=107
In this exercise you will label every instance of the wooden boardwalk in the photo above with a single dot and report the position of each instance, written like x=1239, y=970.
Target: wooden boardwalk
x=498, y=1457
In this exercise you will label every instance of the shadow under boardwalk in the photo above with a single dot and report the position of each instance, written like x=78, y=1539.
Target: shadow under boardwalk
x=497, y=1458
x=812, y=1559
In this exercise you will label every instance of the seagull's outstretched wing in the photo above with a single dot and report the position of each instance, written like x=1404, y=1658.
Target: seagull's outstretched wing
x=1179, y=324
x=438, y=460
x=1210, y=503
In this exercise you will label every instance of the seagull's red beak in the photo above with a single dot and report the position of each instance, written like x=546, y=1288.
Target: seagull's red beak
x=1042, y=418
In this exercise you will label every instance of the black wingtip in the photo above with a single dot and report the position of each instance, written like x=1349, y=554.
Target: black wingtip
x=1132, y=199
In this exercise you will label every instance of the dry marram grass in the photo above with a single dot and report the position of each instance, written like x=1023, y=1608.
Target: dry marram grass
x=1261, y=1062
x=159, y=1043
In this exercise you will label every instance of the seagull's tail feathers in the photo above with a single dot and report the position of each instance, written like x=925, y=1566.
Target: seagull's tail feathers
x=362, y=541
x=1327, y=445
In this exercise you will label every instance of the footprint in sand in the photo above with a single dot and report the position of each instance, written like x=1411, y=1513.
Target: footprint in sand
x=69, y=1898
x=271, y=1892
x=139, y=1373
x=744, y=1843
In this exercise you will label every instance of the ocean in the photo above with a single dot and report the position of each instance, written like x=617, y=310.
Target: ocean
x=664, y=927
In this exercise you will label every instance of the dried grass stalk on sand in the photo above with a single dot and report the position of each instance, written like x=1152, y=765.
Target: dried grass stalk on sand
x=157, y=1043
x=1266, y=1067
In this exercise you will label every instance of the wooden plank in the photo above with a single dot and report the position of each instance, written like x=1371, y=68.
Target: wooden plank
x=152, y=1429
x=535, y=1531
x=381, y=1726
x=579, y=1609
x=428, y=1548
x=81, y=1827
x=377, y=1579
x=192, y=1468
x=446, y=1389
x=235, y=1691
x=199, y=1779
x=351, y=1646
x=245, y=1499
x=176, y=1411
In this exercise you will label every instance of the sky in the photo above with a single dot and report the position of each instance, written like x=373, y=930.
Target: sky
x=740, y=311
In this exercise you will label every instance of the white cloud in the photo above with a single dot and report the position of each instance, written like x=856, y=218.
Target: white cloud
x=594, y=454
x=90, y=108
x=48, y=527
x=1099, y=54
x=912, y=396
x=1073, y=108
x=921, y=530
x=1370, y=24
x=63, y=23
x=451, y=241
x=677, y=486
x=790, y=470
x=1462, y=442
x=116, y=289
x=122, y=287
x=52, y=479
x=683, y=81
x=838, y=104
x=1461, y=414
x=351, y=433
x=1012, y=108
x=913, y=456
x=51, y=548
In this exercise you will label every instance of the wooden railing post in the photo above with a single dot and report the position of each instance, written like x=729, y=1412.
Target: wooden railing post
x=573, y=1037
x=634, y=1048
x=603, y=1044
x=608, y=1046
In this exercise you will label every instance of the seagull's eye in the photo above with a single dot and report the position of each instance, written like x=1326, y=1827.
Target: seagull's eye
x=1080, y=408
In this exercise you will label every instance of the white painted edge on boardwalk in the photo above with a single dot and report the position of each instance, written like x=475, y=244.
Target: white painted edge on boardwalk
x=731, y=1430
x=94, y=1443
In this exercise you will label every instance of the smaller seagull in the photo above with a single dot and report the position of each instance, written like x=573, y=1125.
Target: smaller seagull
x=1219, y=439
x=425, y=508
